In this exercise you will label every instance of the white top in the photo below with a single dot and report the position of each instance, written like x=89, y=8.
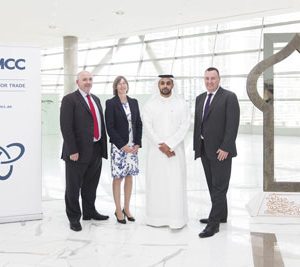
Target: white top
x=127, y=110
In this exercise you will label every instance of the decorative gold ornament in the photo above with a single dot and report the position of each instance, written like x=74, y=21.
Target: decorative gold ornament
x=279, y=205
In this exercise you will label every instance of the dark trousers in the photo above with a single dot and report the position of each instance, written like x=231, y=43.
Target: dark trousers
x=217, y=175
x=82, y=178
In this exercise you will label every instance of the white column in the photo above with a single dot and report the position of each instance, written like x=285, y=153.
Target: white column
x=70, y=63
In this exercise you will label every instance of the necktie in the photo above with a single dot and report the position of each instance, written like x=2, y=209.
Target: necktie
x=205, y=112
x=92, y=108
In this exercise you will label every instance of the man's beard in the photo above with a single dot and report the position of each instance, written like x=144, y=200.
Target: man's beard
x=165, y=91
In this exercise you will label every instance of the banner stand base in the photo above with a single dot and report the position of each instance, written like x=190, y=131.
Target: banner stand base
x=21, y=218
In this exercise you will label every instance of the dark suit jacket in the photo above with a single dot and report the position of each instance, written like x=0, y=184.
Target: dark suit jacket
x=221, y=125
x=117, y=124
x=77, y=127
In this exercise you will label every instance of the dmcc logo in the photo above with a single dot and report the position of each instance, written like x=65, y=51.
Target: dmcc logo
x=6, y=160
x=12, y=63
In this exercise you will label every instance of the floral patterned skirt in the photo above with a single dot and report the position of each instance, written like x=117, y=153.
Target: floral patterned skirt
x=123, y=164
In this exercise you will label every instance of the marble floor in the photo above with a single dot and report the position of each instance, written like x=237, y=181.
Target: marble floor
x=243, y=241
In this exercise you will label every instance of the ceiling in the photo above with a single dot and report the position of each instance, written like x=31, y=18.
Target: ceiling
x=45, y=22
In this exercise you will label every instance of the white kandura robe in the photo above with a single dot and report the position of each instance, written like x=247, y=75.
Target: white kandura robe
x=166, y=120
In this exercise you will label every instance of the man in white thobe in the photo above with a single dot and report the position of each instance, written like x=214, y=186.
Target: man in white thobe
x=167, y=119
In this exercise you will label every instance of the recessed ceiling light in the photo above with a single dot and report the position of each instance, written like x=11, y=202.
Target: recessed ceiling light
x=119, y=12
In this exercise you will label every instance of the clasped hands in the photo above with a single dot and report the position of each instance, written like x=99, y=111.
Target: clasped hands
x=164, y=148
x=130, y=149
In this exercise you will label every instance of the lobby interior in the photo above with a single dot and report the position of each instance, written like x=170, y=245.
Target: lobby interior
x=183, y=38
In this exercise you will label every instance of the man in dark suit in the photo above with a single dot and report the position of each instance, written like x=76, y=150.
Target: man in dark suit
x=216, y=125
x=84, y=134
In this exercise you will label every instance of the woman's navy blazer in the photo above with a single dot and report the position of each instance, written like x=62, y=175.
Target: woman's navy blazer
x=117, y=124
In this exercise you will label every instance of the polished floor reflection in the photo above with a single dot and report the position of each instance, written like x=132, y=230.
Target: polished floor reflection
x=265, y=250
x=243, y=241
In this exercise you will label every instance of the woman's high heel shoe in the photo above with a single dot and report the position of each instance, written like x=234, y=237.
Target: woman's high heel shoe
x=123, y=221
x=132, y=219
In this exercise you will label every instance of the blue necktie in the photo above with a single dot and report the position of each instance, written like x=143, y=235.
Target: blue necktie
x=205, y=112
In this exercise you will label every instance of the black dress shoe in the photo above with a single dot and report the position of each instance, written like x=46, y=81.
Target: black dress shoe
x=96, y=216
x=206, y=221
x=123, y=221
x=209, y=231
x=75, y=226
x=131, y=219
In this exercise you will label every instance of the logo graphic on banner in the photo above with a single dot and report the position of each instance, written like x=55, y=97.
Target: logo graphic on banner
x=12, y=63
x=6, y=159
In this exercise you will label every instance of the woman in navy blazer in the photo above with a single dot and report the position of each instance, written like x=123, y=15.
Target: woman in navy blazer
x=124, y=127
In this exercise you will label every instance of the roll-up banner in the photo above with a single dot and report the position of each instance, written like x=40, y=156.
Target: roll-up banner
x=20, y=134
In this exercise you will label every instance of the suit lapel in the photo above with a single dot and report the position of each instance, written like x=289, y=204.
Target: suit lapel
x=96, y=100
x=82, y=101
x=120, y=106
x=215, y=100
x=97, y=103
x=131, y=106
x=201, y=104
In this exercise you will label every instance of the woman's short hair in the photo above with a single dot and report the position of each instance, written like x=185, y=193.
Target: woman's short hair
x=115, y=83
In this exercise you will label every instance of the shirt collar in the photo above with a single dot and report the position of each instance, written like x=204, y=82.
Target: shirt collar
x=213, y=93
x=84, y=94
